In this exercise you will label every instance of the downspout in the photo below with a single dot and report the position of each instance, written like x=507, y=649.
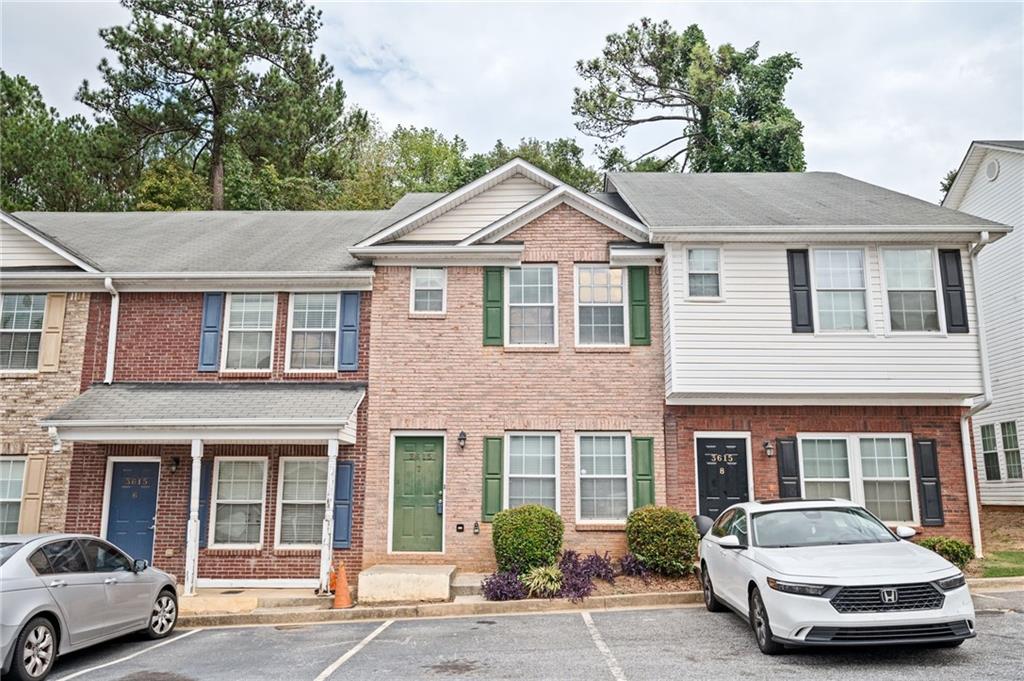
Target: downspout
x=965, y=420
x=115, y=304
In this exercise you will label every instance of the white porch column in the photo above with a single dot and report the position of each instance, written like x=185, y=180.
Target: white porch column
x=192, y=536
x=327, y=539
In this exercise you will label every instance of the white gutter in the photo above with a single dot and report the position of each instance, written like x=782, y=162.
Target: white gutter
x=106, y=276
x=115, y=305
x=965, y=420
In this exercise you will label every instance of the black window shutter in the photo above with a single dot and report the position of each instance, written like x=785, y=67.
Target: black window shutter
x=929, y=489
x=800, y=291
x=789, y=468
x=953, y=294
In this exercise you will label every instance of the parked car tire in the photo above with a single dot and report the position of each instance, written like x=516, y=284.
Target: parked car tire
x=710, y=602
x=762, y=629
x=35, y=651
x=164, y=616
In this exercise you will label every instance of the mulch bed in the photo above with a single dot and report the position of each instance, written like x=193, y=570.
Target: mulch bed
x=636, y=585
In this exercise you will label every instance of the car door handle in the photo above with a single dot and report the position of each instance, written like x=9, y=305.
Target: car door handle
x=110, y=580
x=58, y=582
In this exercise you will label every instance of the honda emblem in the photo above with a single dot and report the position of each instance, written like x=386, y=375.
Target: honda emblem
x=889, y=596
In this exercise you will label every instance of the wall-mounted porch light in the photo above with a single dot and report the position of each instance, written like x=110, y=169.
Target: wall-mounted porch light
x=769, y=448
x=462, y=439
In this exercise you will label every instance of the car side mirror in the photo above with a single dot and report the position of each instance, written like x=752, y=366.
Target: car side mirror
x=730, y=541
x=138, y=565
x=703, y=524
x=904, y=532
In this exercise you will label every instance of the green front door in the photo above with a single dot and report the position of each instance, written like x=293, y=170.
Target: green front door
x=419, y=483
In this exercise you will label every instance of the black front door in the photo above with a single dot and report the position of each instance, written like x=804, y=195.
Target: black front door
x=721, y=473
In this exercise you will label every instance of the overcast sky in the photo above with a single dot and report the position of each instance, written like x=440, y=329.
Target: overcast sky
x=891, y=93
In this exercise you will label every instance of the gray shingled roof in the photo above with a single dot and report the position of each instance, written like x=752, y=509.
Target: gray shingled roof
x=784, y=199
x=1009, y=144
x=195, y=403
x=219, y=241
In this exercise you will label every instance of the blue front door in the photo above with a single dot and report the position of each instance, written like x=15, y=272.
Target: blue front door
x=131, y=514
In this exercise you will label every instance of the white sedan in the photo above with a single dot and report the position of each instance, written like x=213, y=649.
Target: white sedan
x=828, y=573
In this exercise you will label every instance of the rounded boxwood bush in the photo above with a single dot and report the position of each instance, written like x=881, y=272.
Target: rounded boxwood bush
x=526, y=537
x=663, y=539
x=955, y=551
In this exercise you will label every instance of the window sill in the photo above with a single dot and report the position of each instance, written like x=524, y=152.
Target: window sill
x=233, y=551
x=531, y=348
x=601, y=527
x=308, y=375
x=427, y=315
x=245, y=374
x=14, y=374
x=295, y=550
x=703, y=299
x=603, y=348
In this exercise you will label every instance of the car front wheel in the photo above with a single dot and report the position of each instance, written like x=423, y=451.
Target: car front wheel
x=35, y=652
x=710, y=601
x=164, y=616
x=762, y=629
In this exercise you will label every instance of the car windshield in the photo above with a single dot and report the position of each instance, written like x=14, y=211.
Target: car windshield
x=8, y=549
x=817, y=527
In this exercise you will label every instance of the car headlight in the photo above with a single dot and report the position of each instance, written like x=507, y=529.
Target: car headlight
x=950, y=583
x=796, y=588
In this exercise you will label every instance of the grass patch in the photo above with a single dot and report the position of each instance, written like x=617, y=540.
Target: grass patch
x=1003, y=564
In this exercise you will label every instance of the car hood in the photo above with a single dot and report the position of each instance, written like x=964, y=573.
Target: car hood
x=895, y=560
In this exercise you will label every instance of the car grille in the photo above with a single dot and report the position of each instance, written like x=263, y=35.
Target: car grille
x=924, y=596
x=882, y=634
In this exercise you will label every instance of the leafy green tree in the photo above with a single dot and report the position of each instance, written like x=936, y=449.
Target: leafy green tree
x=561, y=157
x=725, y=108
x=424, y=160
x=170, y=184
x=946, y=183
x=206, y=74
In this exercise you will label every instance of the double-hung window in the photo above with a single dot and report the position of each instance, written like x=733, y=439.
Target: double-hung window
x=239, y=486
x=601, y=305
x=1011, y=450
x=989, y=452
x=312, y=345
x=604, y=469
x=249, y=332
x=531, y=305
x=12, y=478
x=302, y=498
x=911, y=289
x=21, y=330
x=703, y=273
x=532, y=469
x=840, y=287
x=873, y=470
x=428, y=290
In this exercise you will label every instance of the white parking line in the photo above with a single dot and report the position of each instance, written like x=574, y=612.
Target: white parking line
x=347, y=656
x=126, y=657
x=606, y=652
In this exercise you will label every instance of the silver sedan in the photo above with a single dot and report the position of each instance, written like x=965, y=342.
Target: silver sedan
x=65, y=592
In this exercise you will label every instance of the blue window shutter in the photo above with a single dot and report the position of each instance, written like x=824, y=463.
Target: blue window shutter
x=209, y=337
x=343, y=505
x=205, y=488
x=348, y=332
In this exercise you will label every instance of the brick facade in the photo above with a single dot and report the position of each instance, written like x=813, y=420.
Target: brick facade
x=435, y=374
x=27, y=397
x=771, y=422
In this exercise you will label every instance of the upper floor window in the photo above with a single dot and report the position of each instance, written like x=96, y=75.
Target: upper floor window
x=601, y=305
x=312, y=344
x=531, y=305
x=911, y=289
x=989, y=452
x=239, y=486
x=12, y=478
x=1011, y=449
x=840, y=288
x=428, y=289
x=21, y=330
x=532, y=469
x=249, y=333
x=703, y=270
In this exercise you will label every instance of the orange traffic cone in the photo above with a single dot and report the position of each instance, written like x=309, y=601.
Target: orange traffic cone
x=342, y=598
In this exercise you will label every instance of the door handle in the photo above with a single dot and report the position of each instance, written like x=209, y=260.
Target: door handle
x=110, y=580
x=58, y=582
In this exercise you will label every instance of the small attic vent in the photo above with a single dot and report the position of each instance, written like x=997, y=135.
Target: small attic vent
x=992, y=169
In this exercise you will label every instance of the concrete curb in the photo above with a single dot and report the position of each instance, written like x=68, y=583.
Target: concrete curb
x=995, y=583
x=441, y=610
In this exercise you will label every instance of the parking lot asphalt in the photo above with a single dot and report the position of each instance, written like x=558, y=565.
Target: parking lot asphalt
x=669, y=643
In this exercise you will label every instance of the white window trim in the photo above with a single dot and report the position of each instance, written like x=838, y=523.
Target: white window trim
x=280, y=505
x=1002, y=450
x=46, y=304
x=856, y=476
x=108, y=481
x=868, y=301
x=412, y=293
x=507, y=305
x=629, y=475
x=940, y=307
x=997, y=435
x=224, y=336
x=576, y=306
x=558, y=466
x=290, y=329
x=211, y=531
x=21, y=497
x=720, y=298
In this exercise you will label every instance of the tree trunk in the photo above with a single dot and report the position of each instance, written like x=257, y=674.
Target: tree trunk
x=217, y=164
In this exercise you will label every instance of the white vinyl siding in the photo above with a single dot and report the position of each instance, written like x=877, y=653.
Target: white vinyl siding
x=745, y=347
x=21, y=330
x=12, y=479
x=249, y=331
x=532, y=465
x=601, y=313
x=313, y=332
x=603, y=467
x=840, y=289
x=19, y=250
x=301, y=502
x=239, y=491
x=911, y=289
x=531, y=305
x=428, y=290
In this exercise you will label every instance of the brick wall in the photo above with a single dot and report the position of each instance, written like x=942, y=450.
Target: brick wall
x=436, y=374
x=771, y=422
x=27, y=397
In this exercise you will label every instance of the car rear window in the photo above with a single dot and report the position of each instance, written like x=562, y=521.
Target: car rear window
x=8, y=549
x=66, y=556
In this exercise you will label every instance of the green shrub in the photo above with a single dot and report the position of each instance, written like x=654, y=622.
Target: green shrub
x=957, y=552
x=663, y=539
x=545, y=582
x=526, y=537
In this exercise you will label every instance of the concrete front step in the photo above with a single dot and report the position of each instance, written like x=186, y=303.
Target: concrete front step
x=467, y=583
x=405, y=584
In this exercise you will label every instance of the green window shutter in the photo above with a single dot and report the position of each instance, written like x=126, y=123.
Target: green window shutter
x=639, y=307
x=643, y=471
x=493, y=461
x=494, y=305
